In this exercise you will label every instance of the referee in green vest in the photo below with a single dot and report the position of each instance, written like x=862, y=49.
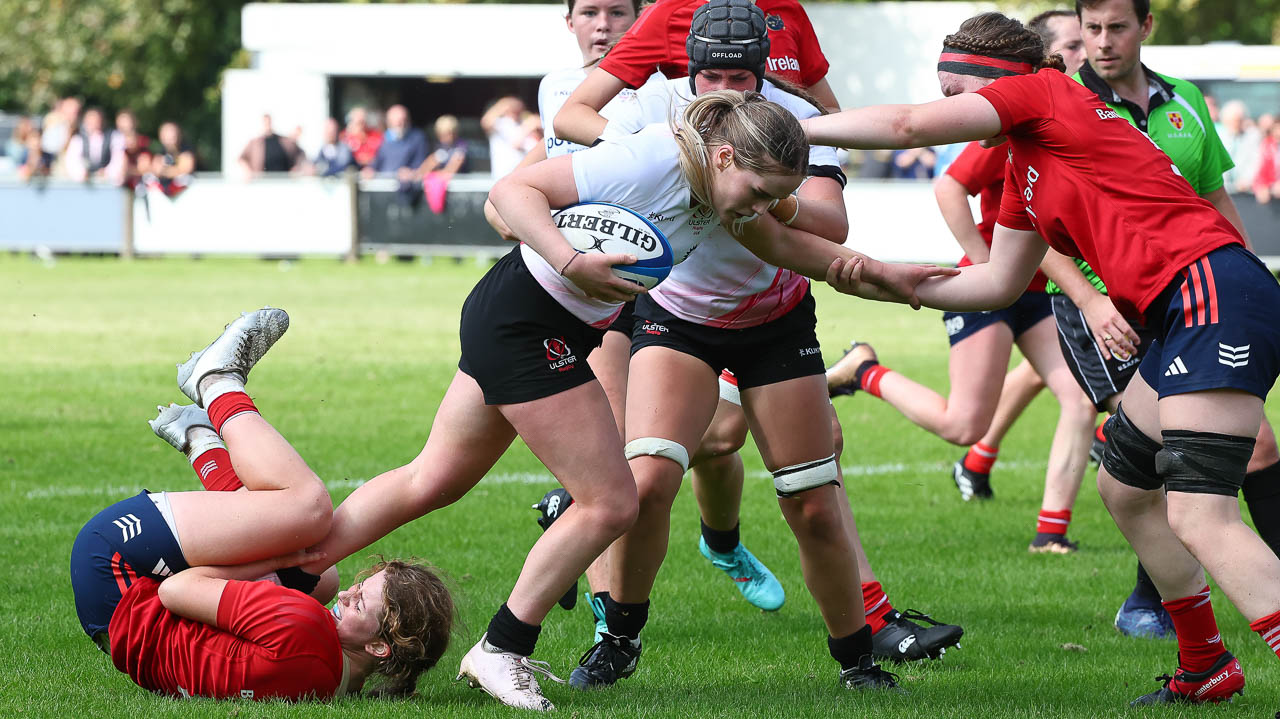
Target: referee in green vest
x=1173, y=114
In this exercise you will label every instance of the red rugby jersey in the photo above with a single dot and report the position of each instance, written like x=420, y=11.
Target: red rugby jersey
x=981, y=171
x=656, y=42
x=270, y=642
x=1096, y=188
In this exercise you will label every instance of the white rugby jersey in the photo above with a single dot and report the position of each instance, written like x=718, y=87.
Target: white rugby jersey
x=557, y=86
x=724, y=285
x=640, y=172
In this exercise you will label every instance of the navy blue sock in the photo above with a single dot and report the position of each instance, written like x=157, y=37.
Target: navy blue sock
x=1145, y=589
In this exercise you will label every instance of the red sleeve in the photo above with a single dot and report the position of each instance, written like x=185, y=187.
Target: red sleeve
x=978, y=167
x=813, y=64
x=280, y=620
x=1013, y=209
x=644, y=46
x=1020, y=100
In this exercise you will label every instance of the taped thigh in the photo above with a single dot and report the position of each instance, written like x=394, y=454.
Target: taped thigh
x=1203, y=462
x=658, y=447
x=1130, y=455
x=790, y=481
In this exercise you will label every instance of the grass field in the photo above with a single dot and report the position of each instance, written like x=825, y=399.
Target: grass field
x=91, y=350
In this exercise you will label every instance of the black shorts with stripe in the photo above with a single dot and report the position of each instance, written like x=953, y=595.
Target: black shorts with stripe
x=1100, y=378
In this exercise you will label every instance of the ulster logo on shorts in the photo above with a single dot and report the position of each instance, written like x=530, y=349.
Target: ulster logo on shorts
x=559, y=356
x=1175, y=119
x=1233, y=356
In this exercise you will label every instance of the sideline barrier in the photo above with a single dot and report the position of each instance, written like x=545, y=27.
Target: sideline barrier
x=293, y=216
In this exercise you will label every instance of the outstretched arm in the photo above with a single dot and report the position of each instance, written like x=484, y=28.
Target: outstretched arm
x=959, y=118
x=997, y=283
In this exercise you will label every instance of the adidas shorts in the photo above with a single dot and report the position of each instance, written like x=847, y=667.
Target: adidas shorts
x=1215, y=327
x=1100, y=378
x=776, y=351
x=1021, y=316
x=127, y=540
x=518, y=343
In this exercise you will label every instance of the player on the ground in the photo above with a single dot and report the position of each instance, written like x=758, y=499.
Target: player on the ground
x=543, y=299
x=746, y=292
x=163, y=581
x=980, y=349
x=1094, y=187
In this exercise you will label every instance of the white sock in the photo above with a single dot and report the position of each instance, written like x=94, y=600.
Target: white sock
x=201, y=440
x=216, y=384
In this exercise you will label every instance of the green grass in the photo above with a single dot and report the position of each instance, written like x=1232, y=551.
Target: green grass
x=90, y=349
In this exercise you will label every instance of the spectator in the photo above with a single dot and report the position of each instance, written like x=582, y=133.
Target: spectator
x=89, y=150
x=1211, y=104
x=447, y=159
x=1266, y=179
x=512, y=132
x=16, y=147
x=403, y=150
x=37, y=163
x=363, y=140
x=916, y=163
x=1242, y=141
x=129, y=151
x=334, y=156
x=172, y=162
x=269, y=152
x=59, y=125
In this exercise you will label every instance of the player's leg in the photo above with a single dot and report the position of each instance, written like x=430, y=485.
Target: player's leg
x=1069, y=452
x=1021, y=385
x=795, y=443
x=1262, y=486
x=670, y=403
x=717, y=476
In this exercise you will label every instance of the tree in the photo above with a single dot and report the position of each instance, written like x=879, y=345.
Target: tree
x=1195, y=22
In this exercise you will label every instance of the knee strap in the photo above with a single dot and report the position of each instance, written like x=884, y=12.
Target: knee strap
x=658, y=447
x=1203, y=462
x=790, y=481
x=1130, y=455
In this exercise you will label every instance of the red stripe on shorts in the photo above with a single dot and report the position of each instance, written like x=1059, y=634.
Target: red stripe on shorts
x=1195, y=279
x=1213, y=290
x=1186, y=302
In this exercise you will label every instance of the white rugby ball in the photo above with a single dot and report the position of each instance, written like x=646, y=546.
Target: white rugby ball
x=613, y=229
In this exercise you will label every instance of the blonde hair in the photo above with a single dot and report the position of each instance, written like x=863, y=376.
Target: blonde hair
x=766, y=138
x=446, y=123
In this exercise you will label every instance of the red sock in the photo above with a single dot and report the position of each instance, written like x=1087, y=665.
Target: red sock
x=213, y=467
x=1269, y=629
x=877, y=605
x=1053, y=521
x=227, y=406
x=1098, y=432
x=981, y=458
x=871, y=379
x=1199, y=642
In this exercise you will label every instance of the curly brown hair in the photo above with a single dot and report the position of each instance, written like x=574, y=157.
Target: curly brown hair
x=993, y=34
x=416, y=624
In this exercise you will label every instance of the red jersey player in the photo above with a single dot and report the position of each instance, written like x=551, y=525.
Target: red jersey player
x=160, y=578
x=657, y=42
x=1092, y=186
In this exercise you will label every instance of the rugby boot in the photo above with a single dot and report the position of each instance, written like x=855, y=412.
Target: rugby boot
x=972, y=485
x=754, y=580
x=1144, y=620
x=903, y=639
x=1052, y=544
x=842, y=377
x=612, y=658
x=868, y=675
x=506, y=676
x=172, y=423
x=236, y=350
x=1217, y=683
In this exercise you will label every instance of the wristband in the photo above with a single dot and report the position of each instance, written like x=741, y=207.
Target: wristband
x=570, y=262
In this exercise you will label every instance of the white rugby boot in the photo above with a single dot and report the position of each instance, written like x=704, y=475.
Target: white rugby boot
x=506, y=676
x=174, y=421
x=236, y=350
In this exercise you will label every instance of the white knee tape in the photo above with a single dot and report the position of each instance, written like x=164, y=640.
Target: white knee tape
x=792, y=480
x=729, y=392
x=658, y=447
